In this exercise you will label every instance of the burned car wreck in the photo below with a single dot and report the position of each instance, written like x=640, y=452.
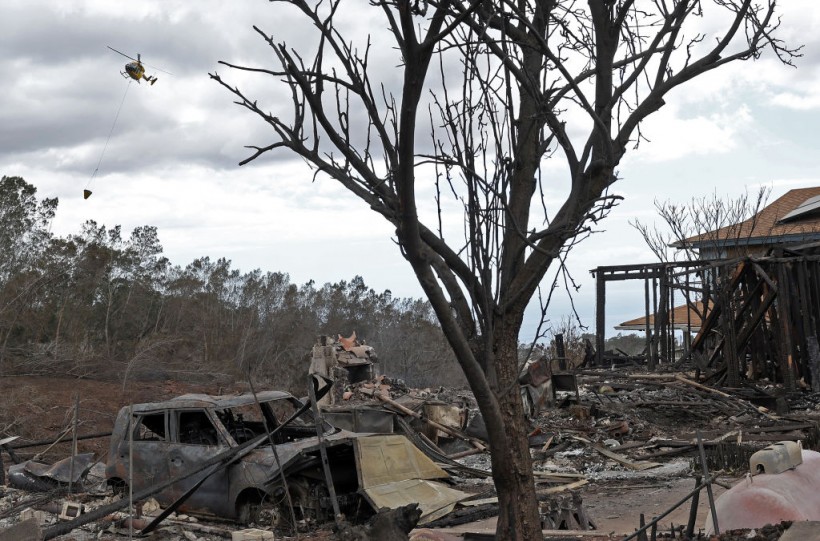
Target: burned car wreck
x=169, y=440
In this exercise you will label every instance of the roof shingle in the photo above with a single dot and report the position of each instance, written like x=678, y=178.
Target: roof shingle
x=766, y=223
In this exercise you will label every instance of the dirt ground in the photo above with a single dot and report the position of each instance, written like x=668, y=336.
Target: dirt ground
x=616, y=507
x=36, y=408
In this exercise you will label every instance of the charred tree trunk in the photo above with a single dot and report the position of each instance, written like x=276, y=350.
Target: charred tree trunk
x=511, y=462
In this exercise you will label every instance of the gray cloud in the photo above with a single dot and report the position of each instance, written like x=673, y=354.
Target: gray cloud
x=172, y=157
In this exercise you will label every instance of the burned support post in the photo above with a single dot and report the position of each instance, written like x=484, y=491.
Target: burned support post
x=784, y=301
x=600, y=317
x=661, y=321
x=800, y=270
x=813, y=272
x=648, y=327
x=814, y=362
x=672, y=349
x=807, y=359
x=653, y=350
x=560, y=351
x=705, y=471
x=727, y=320
x=693, y=511
x=331, y=488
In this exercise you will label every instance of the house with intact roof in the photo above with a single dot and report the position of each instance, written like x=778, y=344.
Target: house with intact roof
x=791, y=222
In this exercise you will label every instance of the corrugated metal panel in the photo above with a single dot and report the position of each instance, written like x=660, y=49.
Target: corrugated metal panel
x=435, y=499
x=389, y=458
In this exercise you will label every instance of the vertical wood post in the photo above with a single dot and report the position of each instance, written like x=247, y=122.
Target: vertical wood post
x=727, y=319
x=600, y=317
x=74, y=442
x=653, y=356
x=648, y=327
x=784, y=301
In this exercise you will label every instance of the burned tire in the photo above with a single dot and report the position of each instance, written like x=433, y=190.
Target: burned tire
x=255, y=507
x=280, y=518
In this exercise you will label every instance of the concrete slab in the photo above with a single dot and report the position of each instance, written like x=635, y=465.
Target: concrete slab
x=808, y=530
x=252, y=534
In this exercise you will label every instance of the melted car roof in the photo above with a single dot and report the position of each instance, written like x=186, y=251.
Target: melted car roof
x=210, y=401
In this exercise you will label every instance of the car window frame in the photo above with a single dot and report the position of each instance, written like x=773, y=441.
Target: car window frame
x=135, y=422
x=215, y=424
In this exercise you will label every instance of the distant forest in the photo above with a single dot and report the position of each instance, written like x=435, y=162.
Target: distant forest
x=102, y=304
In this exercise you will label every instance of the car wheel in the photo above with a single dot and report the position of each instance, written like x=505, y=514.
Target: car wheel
x=252, y=507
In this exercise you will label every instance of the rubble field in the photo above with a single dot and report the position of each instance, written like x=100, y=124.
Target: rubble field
x=619, y=444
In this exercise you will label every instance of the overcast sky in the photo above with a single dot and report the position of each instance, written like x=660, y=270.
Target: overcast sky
x=172, y=157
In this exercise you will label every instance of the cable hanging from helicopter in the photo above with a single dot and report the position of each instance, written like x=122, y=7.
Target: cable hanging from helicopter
x=87, y=190
x=133, y=71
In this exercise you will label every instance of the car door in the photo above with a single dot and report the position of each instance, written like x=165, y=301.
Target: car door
x=195, y=440
x=148, y=447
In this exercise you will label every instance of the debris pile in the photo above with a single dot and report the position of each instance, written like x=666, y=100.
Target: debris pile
x=599, y=430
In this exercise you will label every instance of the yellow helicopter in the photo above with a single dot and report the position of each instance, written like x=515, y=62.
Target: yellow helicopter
x=135, y=70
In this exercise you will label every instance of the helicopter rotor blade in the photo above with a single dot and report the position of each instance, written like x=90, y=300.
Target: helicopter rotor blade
x=157, y=69
x=139, y=59
x=123, y=54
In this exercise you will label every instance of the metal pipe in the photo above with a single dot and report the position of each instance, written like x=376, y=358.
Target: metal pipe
x=73, y=442
x=40, y=443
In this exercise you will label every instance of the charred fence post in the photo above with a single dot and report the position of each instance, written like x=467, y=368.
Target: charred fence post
x=641, y=526
x=705, y=471
x=693, y=511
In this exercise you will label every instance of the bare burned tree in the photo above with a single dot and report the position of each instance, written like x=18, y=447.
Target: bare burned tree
x=711, y=219
x=505, y=86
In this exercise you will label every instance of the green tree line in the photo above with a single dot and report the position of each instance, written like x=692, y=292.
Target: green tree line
x=100, y=303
